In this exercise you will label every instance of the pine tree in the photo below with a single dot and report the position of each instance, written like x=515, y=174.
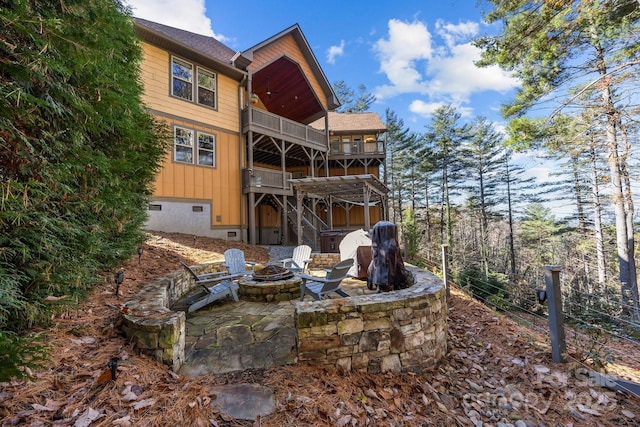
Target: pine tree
x=482, y=159
x=78, y=151
x=594, y=45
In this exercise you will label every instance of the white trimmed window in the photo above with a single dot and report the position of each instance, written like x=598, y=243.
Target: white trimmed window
x=182, y=145
x=183, y=76
x=206, y=88
x=182, y=79
x=186, y=151
x=206, y=149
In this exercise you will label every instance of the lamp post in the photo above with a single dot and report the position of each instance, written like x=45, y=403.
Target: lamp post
x=118, y=278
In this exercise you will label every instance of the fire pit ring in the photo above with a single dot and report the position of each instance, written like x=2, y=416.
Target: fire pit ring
x=272, y=273
x=270, y=284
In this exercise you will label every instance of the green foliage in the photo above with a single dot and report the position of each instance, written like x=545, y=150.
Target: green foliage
x=411, y=233
x=351, y=101
x=19, y=353
x=482, y=286
x=78, y=152
x=539, y=231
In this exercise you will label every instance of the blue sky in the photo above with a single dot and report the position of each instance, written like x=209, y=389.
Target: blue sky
x=413, y=55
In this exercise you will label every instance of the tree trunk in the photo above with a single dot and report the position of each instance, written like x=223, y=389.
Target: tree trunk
x=624, y=235
x=597, y=220
x=633, y=283
x=512, y=250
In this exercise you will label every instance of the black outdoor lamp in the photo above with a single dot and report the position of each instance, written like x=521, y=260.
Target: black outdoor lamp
x=118, y=278
x=140, y=250
x=542, y=295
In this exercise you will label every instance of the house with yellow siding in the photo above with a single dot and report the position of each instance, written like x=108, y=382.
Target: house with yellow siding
x=258, y=154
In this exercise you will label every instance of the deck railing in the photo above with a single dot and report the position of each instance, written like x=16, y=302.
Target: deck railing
x=357, y=148
x=263, y=180
x=272, y=123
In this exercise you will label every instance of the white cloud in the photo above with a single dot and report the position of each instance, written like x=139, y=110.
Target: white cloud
x=455, y=74
x=454, y=33
x=335, y=51
x=408, y=43
x=188, y=15
x=446, y=73
x=426, y=109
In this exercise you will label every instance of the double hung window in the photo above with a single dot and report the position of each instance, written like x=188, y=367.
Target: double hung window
x=194, y=147
x=193, y=83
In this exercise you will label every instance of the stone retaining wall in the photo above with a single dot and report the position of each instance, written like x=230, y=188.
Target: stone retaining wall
x=319, y=260
x=400, y=331
x=152, y=326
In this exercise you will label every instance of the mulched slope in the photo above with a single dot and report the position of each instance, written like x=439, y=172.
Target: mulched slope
x=496, y=371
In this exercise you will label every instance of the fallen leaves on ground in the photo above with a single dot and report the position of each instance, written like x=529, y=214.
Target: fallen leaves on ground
x=496, y=371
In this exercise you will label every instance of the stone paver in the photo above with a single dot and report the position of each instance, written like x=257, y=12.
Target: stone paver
x=229, y=336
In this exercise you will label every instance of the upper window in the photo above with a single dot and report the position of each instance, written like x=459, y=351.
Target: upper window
x=182, y=83
x=206, y=88
x=182, y=79
x=185, y=151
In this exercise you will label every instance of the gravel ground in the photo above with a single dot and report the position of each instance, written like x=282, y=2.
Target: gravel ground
x=279, y=252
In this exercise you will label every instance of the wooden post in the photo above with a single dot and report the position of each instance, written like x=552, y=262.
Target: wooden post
x=445, y=269
x=367, y=217
x=299, y=197
x=556, y=318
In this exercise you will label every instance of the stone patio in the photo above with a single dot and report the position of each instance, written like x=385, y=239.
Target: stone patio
x=229, y=336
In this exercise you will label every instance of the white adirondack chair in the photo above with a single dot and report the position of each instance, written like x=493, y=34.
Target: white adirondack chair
x=300, y=259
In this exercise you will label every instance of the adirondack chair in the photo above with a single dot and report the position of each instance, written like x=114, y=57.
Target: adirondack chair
x=318, y=287
x=213, y=293
x=235, y=263
x=225, y=280
x=299, y=260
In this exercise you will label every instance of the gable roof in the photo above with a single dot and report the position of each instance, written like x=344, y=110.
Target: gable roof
x=298, y=36
x=204, y=49
x=349, y=122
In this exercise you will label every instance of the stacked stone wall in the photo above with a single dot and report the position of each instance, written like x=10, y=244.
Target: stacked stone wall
x=319, y=260
x=399, y=331
x=149, y=322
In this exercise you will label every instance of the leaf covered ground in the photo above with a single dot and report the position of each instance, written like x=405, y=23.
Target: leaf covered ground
x=497, y=372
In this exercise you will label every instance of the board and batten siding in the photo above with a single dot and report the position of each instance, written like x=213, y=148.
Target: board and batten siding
x=155, y=74
x=219, y=185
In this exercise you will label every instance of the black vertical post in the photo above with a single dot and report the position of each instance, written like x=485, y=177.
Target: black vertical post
x=556, y=318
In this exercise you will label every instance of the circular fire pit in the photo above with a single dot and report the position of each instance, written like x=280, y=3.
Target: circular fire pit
x=272, y=283
x=272, y=273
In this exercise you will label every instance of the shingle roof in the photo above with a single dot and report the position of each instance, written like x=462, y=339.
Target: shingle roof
x=203, y=44
x=341, y=122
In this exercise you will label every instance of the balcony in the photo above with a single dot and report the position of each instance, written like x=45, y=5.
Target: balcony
x=266, y=123
x=261, y=180
x=357, y=149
